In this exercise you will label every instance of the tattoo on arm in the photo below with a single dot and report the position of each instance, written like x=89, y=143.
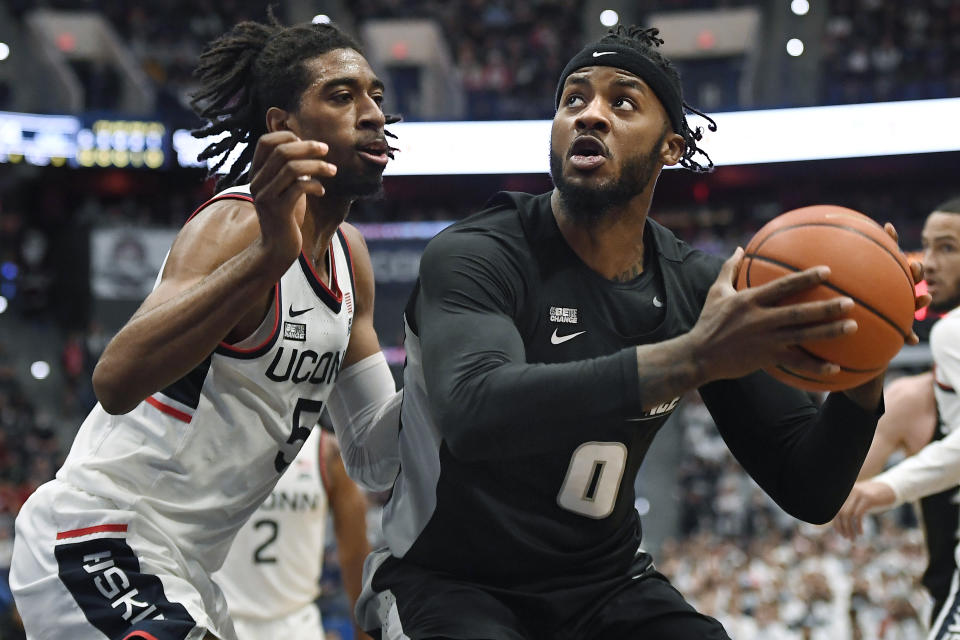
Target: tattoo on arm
x=665, y=371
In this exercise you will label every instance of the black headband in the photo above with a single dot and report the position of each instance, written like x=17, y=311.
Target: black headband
x=604, y=54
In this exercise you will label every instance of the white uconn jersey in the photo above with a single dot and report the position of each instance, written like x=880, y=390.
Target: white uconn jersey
x=274, y=565
x=198, y=457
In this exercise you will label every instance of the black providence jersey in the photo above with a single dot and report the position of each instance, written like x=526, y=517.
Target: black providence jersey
x=521, y=426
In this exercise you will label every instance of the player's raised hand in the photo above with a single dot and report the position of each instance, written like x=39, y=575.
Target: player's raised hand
x=739, y=332
x=284, y=170
x=864, y=498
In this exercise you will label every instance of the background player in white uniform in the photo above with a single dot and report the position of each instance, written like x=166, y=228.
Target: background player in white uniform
x=935, y=467
x=271, y=577
x=209, y=391
x=910, y=423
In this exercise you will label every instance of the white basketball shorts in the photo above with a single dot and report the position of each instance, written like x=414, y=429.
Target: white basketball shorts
x=84, y=569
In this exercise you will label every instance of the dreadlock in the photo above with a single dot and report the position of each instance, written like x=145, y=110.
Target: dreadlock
x=249, y=69
x=647, y=42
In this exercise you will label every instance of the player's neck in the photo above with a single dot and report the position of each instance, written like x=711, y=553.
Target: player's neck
x=613, y=245
x=323, y=218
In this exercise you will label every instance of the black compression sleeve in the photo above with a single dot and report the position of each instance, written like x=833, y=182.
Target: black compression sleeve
x=807, y=459
x=482, y=391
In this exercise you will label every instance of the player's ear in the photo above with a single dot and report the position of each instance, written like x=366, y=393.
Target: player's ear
x=277, y=119
x=672, y=149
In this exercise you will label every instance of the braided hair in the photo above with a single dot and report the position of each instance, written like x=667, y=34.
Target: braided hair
x=647, y=43
x=249, y=69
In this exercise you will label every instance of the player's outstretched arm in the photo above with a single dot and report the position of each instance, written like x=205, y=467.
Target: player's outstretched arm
x=219, y=274
x=907, y=424
x=365, y=405
x=348, y=506
x=867, y=496
x=935, y=468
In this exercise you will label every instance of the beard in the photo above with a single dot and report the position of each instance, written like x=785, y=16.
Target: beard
x=355, y=185
x=590, y=204
x=945, y=304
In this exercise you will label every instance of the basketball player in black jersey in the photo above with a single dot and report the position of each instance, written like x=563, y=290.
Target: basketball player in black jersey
x=548, y=338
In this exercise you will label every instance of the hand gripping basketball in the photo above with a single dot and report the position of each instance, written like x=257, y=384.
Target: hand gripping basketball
x=739, y=332
x=866, y=266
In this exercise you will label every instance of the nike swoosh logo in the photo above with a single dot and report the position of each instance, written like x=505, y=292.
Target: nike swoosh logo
x=597, y=54
x=555, y=339
x=294, y=314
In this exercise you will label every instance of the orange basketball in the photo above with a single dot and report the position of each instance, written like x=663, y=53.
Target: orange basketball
x=865, y=265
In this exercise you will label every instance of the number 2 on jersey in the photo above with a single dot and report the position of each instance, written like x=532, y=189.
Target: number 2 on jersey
x=593, y=479
x=259, y=554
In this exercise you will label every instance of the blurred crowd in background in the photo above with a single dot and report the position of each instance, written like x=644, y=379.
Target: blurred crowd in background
x=509, y=54
x=877, y=51
x=738, y=557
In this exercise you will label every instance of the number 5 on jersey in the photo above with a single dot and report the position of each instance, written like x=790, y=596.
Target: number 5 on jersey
x=299, y=432
x=593, y=479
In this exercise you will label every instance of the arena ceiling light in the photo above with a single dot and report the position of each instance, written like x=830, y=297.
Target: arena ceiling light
x=40, y=370
x=609, y=17
x=743, y=137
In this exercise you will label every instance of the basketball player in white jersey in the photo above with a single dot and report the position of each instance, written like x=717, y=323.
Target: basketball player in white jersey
x=935, y=468
x=910, y=423
x=271, y=576
x=209, y=391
